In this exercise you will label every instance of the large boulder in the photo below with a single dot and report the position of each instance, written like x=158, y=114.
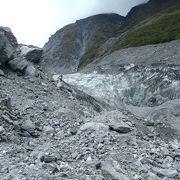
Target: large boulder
x=18, y=64
x=1, y=72
x=30, y=53
x=21, y=65
x=24, y=58
x=8, y=44
x=110, y=172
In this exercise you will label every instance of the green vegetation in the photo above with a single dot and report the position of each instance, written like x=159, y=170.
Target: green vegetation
x=163, y=27
x=155, y=22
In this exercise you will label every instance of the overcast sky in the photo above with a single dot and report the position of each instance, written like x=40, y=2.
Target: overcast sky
x=34, y=21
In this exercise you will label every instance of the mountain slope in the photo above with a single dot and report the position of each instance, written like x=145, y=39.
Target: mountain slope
x=163, y=27
x=143, y=11
x=78, y=43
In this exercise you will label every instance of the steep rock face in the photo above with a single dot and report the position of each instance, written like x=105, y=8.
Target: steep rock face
x=69, y=47
x=62, y=51
x=8, y=44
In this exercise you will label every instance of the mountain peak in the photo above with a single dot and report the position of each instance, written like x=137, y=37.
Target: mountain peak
x=111, y=17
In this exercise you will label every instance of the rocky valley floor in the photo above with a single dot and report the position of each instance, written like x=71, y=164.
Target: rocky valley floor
x=50, y=132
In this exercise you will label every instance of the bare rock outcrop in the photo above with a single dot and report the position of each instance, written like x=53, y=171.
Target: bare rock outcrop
x=8, y=44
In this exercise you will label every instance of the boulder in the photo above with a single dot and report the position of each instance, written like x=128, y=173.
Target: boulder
x=153, y=177
x=1, y=72
x=5, y=101
x=94, y=126
x=50, y=168
x=120, y=127
x=48, y=159
x=30, y=70
x=30, y=53
x=29, y=126
x=110, y=172
x=8, y=44
x=2, y=129
x=18, y=64
x=170, y=173
x=34, y=55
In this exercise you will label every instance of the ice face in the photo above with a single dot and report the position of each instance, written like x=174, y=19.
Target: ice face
x=147, y=86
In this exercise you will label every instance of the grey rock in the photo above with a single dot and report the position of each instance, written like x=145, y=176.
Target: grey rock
x=73, y=131
x=3, y=138
x=21, y=63
x=18, y=64
x=1, y=72
x=176, y=110
x=24, y=133
x=48, y=159
x=110, y=173
x=177, y=166
x=175, y=144
x=8, y=44
x=120, y=128
x=48, y=129
x=94, y=126
x=51, y=168
x=34, y=55
x=153, y=177
x=6, y=102
x=7, y=119
x=168, y=161
x=2, y=130
x=31, y=54
x=28, y=125
x=170, y=173
x=30, y=70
